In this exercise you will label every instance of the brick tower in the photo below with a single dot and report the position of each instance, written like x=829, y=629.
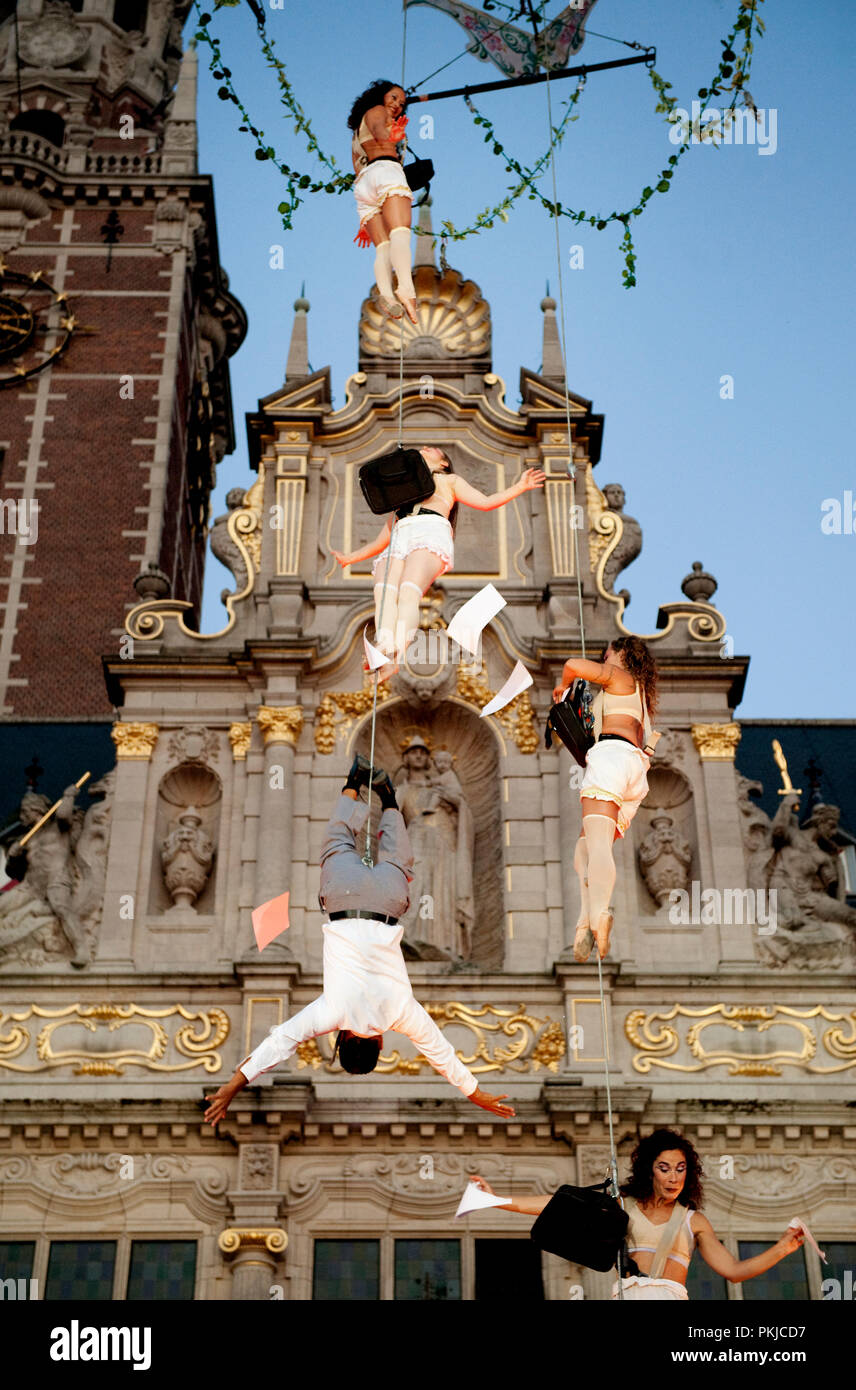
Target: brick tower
x=116, y=326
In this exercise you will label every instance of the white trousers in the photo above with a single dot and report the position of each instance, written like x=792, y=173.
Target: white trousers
x=640, y=1287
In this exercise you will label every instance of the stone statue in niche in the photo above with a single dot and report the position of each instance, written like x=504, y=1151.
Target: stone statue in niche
x=187, y=854
x=53, y=909
x=815, y=928
x=631, y=539
x=225, y=549
x=439, y=921
x=665, y=857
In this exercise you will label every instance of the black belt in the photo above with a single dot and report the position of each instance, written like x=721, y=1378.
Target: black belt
x=423, y=511
x=390, y=158
x=358, y=912
x=621, y=739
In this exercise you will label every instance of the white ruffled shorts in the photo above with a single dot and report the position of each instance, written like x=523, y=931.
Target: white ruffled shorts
x=616, y=771
x=381, y=180
x=418, y=532
x=641, y=1288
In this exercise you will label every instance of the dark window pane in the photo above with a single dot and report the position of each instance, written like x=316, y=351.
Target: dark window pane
x=785, y=1280
x=508, y=1269
x=130, y=14
x=81, y=1269
x=16, y=1266
x=840, y=1266
x=346, y=1270
x=703, y=1285
x=427, y=1269
x=162, y=1269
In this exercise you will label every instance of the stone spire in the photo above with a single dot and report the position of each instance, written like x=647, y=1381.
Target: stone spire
x=298, y=351
x=179, y=140
x=551, y=349
x=425, y=244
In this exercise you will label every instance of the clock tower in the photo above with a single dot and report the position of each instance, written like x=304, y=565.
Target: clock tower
x=116, y=329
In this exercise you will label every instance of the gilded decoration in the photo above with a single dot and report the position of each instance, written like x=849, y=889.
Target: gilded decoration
x=504, y=1039
x=134, y=741
x=716, y=742
x=237, y=1238
x=280, y=724
x=350, y=705
x=197, y=1038
x=239, y=738
x=517, y=717
x=453, y=320
x=655, y=1040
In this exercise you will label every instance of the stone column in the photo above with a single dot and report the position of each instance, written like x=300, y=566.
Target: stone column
x=135, y=742
x=280, y=726
x=254, y=1255
x=717, y=747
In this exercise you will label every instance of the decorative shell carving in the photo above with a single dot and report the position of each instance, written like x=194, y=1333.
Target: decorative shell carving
x=190, y=785
x=454, y=320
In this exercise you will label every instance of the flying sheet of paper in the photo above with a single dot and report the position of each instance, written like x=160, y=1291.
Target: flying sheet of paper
x=801, y=1226
x=474, y=1199
x=519, y=680
x=374, y=656
x=270, y=920
x=470, y=620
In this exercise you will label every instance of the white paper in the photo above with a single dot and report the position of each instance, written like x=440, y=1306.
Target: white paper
x=475, y=1199
x=519, y=680
x=470, y=620
x=374, y=656
x=801, y=1226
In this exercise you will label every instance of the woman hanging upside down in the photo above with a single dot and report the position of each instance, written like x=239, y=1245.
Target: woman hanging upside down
x=382, y=192
x=615, y=782
x=422, y=550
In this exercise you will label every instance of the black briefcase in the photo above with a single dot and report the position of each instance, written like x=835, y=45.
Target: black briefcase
x=572, y=721
x=419, y=173
x=584, y=1225
x=400, y=479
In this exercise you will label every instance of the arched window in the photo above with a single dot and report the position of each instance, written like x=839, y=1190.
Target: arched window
x=46, y=124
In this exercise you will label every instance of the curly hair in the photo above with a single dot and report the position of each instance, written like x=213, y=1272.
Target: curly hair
x=641, y=665
x=372, y=96
x=640, y=1184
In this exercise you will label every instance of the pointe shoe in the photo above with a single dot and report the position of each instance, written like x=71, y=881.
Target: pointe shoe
x=409, y=307
x=391, y=307
x=583, y=942
x=603, y=931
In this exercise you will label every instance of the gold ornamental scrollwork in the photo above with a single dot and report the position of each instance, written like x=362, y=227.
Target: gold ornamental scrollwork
x=134, y=741
x=716, y=743
x=504, y=1039
x=656, y=1037
x=239, y=738
x=280, y=723
x=146, y=621
x=236, y=1238
x=517, y=717
x=350, y=704
x=198, y=1038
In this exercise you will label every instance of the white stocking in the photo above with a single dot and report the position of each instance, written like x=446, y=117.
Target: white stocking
x=408, y=616
x=581, y=869
x=399, y=255
x=599, y=833
x=383, y=269
x=386, y=610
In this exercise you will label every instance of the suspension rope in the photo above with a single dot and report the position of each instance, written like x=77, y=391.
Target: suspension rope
x=572, y=474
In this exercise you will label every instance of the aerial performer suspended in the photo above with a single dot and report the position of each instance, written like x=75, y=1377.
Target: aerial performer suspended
x=663, y=1197
x=384, y=198
x=615, y=782
x=422, y=550
x=366, y=986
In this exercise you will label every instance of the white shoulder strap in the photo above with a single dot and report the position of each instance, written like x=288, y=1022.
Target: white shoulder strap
x=670, y=1230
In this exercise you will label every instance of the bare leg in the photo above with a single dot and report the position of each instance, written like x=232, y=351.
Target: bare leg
x=396, y=219
x=599, y=828
x=421, y=568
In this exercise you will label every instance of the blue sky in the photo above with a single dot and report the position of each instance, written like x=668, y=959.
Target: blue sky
x=744, y=269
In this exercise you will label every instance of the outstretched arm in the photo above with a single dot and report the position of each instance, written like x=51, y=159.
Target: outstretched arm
x=420, y=1028
x=714, y=1253
x=530, y=1206
x=471, y=497
x=380, y=542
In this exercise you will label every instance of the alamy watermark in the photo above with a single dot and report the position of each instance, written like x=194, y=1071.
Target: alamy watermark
x=702, y=907
x=708, y=125
x=19, y=516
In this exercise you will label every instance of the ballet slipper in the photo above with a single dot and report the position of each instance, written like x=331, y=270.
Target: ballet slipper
x=390, y=307
x=603, y=931
x=409, y=307
x=583, y=942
